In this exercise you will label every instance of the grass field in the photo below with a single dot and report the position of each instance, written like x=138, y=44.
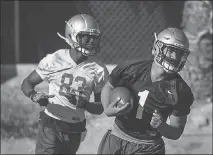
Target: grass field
x=19, y=118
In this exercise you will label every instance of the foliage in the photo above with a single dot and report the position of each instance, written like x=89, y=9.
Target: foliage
x=197, y=24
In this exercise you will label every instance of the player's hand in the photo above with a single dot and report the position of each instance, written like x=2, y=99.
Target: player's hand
x=114, y=110
x=80, y=102
x=76, y=100
x=41, y=98
x=156, y=120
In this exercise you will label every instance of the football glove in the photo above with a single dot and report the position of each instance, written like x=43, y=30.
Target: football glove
x=40, y=98
x=156, y=120
x=76, y=100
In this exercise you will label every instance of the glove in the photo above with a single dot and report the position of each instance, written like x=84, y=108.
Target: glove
x=76, y=100
x=156, y=120
x=40, y=98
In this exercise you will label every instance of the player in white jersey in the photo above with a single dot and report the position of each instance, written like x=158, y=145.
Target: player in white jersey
x=73, y=74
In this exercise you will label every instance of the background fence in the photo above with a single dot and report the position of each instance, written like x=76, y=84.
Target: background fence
x=28, y=33
x=127, y=27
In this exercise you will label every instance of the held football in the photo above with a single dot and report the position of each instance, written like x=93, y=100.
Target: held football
x=125, y=96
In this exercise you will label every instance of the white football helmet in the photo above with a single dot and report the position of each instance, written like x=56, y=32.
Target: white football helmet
x=171, y=49
x=82, y=33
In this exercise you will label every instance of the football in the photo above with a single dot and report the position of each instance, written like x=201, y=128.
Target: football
x=124, y=94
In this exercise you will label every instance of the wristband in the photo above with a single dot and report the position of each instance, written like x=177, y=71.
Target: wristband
x=32, y=92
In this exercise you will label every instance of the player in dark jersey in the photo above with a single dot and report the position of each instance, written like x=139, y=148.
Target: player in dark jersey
x=162, y=99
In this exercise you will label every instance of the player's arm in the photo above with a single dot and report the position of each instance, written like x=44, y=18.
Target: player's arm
x=28, y=86
x=175, y=129
x=30, y=82
x=178, y=117
x=96, y=106
x=116, y=79
x=105, y=95
x=110, y=108
x=35, y=78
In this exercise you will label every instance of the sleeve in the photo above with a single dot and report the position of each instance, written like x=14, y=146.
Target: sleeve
x=44, y=67
x=118, y=75
x=185, y=100
x=100, y=83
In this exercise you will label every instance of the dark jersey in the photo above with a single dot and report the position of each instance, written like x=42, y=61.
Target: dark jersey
x=169, y=96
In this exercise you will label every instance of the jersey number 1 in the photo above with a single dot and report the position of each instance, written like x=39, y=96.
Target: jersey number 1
x=143, y=96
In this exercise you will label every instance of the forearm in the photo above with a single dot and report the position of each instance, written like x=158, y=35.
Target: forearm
x=105, y=95
x=30, y=82
x=94, y=108
x=27, y=87
x=169, y=131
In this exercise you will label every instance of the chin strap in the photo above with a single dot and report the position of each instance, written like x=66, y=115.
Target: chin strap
x=82, y=50
x=65, y=39
x=156, y=38
x=68, y=42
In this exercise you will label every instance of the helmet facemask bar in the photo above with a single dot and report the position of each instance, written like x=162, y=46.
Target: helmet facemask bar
x=163, y=57
x=88, y=43
x=78, y=44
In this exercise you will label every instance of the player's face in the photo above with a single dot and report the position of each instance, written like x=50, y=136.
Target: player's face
x=88, y=41
x=172, y=53
x=173, y=56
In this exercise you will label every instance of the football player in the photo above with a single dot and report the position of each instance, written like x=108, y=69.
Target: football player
x=162, y=99
x=73, y=75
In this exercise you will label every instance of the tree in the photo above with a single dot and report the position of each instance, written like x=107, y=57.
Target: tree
x=197, y=24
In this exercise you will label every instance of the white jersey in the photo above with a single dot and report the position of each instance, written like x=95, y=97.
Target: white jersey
x=64, y=75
